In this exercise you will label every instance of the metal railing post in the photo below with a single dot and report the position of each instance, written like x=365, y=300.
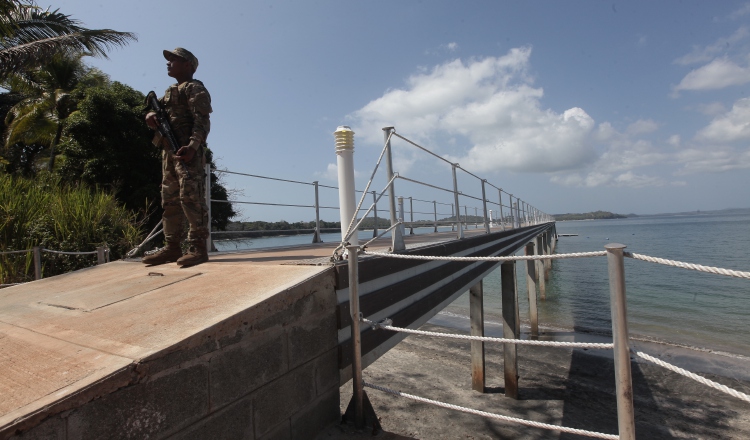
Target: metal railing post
x=357, y=385
x=207, y=169
x=375, y=214
x=397, y=238
x=502, y=220
x=434, y=209
x=623, y=378
x=455, y=200
x=101, y=256
x=37, y=262
x=411, y=216
x=316, y=234
x=484, y=206
x=401, y=215
x=476, y=224
x=453, y=224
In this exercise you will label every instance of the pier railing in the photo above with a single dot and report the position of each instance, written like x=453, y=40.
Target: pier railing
x=101, y=252
x=362, y=412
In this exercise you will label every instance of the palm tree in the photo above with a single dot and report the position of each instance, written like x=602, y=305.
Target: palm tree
x=48, y=100
x=31, y=36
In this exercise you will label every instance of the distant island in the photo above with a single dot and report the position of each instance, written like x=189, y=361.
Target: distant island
x=596, y=215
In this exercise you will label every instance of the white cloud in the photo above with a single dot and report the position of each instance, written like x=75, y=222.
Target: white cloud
x=712, y=159
x=642, y=126
x=492, y=104
x=741, y=12
x=710, y=109
x=731, y=126
x=719, y=73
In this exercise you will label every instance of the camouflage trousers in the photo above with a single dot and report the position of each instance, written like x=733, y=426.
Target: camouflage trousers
x=183, y=196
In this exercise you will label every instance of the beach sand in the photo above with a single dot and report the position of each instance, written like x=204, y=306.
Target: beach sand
x=572, y=388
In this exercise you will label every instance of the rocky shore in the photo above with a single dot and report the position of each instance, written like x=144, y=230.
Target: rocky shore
x=573, y=388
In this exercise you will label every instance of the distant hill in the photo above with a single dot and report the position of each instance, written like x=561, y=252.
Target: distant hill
x=596, y=215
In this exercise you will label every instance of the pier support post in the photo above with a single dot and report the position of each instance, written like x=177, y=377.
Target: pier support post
x=547, y=251
x=623, y=378
x=511, y=326
x=359, y=408
x=531, y=278
x=397, y=238
x=476, y=315
x=540, y=268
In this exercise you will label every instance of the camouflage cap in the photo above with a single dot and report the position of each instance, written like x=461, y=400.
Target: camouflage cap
x=184, y=54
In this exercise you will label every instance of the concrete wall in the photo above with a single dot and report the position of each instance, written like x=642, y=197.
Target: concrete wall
x=270, y=372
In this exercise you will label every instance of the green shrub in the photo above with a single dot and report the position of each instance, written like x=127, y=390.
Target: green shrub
x=59, y=217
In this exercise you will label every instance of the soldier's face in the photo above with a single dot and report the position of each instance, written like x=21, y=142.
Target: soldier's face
x=178, y=67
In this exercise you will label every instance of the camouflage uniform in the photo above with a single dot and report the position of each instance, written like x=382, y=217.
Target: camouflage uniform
x=183, y=185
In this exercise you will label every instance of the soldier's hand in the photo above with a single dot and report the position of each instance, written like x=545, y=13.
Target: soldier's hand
x=186, y=154
x=151, y=121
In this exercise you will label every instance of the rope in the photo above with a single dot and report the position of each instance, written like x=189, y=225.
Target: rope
x=495, y=416
x=691, y=266
x=68, y=253
x=599, y=346
x=508, y=258
x=701, y=379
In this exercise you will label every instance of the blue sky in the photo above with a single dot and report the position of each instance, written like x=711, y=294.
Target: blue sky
x=631, y=107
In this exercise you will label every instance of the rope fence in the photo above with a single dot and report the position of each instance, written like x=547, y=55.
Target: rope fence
x=495, y=416
x=691, y=266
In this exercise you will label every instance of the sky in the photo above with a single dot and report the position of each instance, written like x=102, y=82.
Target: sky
x=631, y=107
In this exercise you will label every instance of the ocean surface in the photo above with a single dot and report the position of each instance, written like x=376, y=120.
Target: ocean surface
x=665, y=304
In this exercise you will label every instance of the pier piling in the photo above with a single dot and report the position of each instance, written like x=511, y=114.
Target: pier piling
x=531, y=281
x=511, y=326
x=476, y=315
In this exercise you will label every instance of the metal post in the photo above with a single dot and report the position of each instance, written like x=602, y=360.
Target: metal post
x=347, y=196
x=476, y=225
x=101, y=254
x=466, y=217
x=434, y=209
x=37, y=262
x=453, y=223
x=455, y=201
x=490, y=218
x=411, y=216
x=531, y=284
x=540, y=269
x=623, y=379
x=502, y=220
x=484, y=206
x=316, y=234
x=511, y=326
x=401, y=216
x=375, y=214
x=357, y=385
x=397, y=238
x=209, y=242
x=476, y=316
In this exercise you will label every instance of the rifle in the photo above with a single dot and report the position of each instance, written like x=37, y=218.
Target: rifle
x=163, y=127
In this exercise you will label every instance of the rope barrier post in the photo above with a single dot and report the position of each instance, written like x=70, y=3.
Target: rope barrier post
x=511, y=326
x=375, y=214
x=397, y=238
x=455, y=201
x=476, y=316
x=209, y=241
x=623, y=379
x=316, y=234
x=100, y=254
x=484, y=207
x=37, y=262
x=434, y=209
x=359, y=407
x=539, y=250
x=531, y=278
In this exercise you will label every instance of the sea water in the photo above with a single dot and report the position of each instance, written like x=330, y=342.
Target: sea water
x=668, y=304
x=664, y=303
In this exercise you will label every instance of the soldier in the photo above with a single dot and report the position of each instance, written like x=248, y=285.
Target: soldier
x=188, y=105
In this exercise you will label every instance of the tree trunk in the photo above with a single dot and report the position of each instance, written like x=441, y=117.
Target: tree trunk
x=55, y=141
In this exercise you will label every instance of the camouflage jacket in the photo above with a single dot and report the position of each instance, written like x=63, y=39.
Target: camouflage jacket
x=188, y=106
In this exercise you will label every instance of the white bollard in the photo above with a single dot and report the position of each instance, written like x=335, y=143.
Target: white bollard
x=345, y=161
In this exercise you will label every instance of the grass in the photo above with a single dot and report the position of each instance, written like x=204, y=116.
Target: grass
x=43, y=212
